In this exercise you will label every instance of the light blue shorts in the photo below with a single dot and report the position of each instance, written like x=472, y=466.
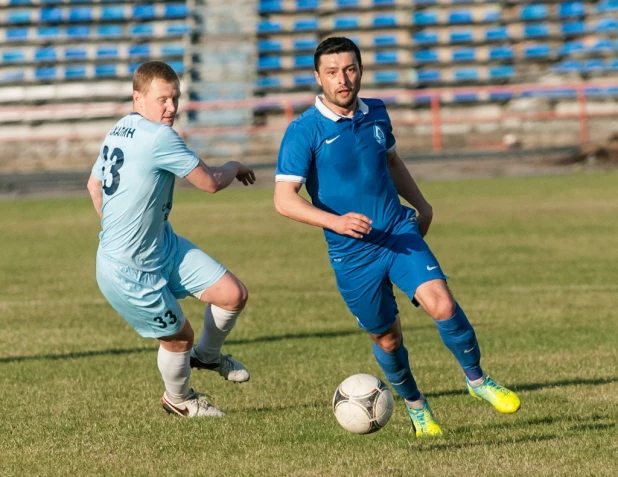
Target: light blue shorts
x=148, y=301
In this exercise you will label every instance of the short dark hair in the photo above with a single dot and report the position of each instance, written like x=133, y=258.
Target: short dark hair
x=333, y=45
x=143, y=76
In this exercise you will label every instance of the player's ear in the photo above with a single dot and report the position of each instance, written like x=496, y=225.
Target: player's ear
x=317, y=77
x=137, y=97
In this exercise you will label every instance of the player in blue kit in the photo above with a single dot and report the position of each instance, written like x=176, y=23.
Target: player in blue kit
x=343, y=150
x=142, y=266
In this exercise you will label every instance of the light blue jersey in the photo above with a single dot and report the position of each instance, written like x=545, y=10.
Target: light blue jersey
x=137, y=164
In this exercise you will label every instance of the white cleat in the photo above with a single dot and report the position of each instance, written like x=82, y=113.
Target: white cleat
x=195, y=406
x=226, y=366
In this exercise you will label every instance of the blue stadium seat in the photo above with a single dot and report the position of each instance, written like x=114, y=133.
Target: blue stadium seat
x=382, y=3
x=105, y=71
x=176, y=10
x=533, y=12
x=307, y=4
x=501, y=72
x=461, y=36
x=51, y=14
x=269, y=45
x=465, y=97
x=384, y=20
x=500, y=96
x=571, y=9
x=573, y=28
x=426, y=37
x=539, y=50
x=568, y=66
x=572, y=47
x=612, y=65
x=607, y=6
x=178, y=29
x=177, y=66
x=20, y=2
x=463, y=54
x=48, y=32
x=268, y=82
x=80, y=14
x=173, y=50
x=109, y=31
x=536, y=30
x=78, y=31
x=347, y=3
x=428, y=76
x=466, y=74
x=115, y=12
x=16, y=34
x=132, y=67
x=500, y=33
x=269, y=63
x=456, y=17
x=12, y=76
x=305, y=43
x=594, y=65
x=45, y=73
x=500, y=53
x=426, y=2
x=385, y=40
x=426, y=56
x=428, y=17
x=18, y=16
x=144, y=30
x=46, y=54
x=306, y=24
x=74, y=71
x=347, y=22
x=270, y=6
x=603, y=45
x=269, y=26
x=303, y=61
x=493, y=16
x=304, y=80
x=386, y=76
x=75, y=53
x=144, y=12
x=606, y=25
x=385, y=57
x=13, y=56
x=141, y=50
x=107, y=51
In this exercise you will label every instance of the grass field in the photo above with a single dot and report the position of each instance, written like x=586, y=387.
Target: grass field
x=532, y=261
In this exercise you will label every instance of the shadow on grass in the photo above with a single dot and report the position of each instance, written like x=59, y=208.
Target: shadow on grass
x=124, y=351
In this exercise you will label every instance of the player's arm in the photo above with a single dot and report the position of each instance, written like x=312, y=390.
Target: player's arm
x=290, y=204
x=407, y=188
x=95, y=188
x=215, y=178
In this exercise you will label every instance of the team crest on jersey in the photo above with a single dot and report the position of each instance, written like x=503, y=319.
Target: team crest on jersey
x=379, y=135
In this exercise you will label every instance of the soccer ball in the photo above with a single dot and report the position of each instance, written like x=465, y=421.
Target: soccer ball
x=363, y=404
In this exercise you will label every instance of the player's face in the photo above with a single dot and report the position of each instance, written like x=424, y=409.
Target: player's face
x=159, y=103
x=339, y=75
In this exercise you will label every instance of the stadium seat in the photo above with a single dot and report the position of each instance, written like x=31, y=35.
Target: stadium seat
x=573, y=28
x=607, y=6
x=175, y=10
x=305, y=43
x=143, y=30
x=426, y=56
x=384, y=20
x=105, y=71
x=465, y=97
x=426, y=37
x=603, y=45
x=16, y=34
x=385, y=57
x=466, y=74
x=493, y=16
x=383, y=3
x=500, y=33
x=144, y=12
x=427, y=17
x=304, y=80
x=303, y=61
x=463, y=54
x=109, y=31
x=268, y=45
x=12, y=76
x=306, y=24
x=78, y=31
x=45, y=73
x=80, y=14
x=498, y=96
x=540, y=50
x=142, y=50
x=571, y=9
x=178, y=29
x=48, y=32
x=594, y=65
x=456, y=17
x=461, y=36
x=536, y=30
x=533, y=12
x=612, y=65
x=500, y=53
x=270, y=6
x=51, y=15
x=501, y=72
x=75, y=53
x=172, y=50
x=177, y=66
x=386, y=76
x=46, y=54
x=307, y=4
x=268, y=26
x=18, y=16
x=568, y=66
x=115, y=12
x=572, y=47
x=269, y=63
x=426, y=2
x=428, y=76
x=606, y=25
x=13, y=56
x=74, y=71
x=347, y=3
x=347, y=22
x=107, y=51
x=385, y=40
x=20, y=2
x=268, y=82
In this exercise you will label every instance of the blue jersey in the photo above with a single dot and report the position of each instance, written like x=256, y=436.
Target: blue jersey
x=342, y=162
x=137, y=164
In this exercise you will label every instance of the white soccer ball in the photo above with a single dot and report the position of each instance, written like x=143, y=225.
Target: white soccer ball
x=363, y=404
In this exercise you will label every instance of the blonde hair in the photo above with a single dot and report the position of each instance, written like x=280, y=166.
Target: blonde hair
x=143, y=76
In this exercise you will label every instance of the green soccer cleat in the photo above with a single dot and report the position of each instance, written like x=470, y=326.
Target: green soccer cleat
x=503, y=399
x=424, y=422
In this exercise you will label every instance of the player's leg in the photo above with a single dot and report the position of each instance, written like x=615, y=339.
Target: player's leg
x=198, y=274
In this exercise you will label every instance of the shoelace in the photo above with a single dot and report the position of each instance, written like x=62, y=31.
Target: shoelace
x=228, y=363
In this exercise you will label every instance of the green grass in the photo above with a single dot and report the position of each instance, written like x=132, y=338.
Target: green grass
x=532, y=261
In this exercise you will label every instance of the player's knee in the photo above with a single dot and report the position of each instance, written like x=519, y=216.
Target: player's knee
x=389, y=343
x=443, y=309
x=237, y=297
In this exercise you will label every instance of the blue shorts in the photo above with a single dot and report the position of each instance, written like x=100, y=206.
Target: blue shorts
x=366, y=279
x=148, y=301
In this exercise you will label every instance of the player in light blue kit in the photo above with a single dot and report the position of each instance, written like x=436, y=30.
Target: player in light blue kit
x=142, y=266
x=343, y=150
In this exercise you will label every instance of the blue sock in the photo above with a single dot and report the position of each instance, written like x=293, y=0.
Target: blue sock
x=459, y=337
x=397, y=370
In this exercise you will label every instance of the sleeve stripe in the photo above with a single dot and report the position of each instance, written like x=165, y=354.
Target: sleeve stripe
x=288, y=178
x=392, y=148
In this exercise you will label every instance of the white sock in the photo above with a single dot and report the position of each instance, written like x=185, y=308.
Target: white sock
x=175, y=371
x=478, y=382
x=418, y=404
x=217, y=325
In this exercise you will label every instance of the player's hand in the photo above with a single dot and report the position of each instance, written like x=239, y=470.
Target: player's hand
x=423, y=219
x=353, y=224
x=245, y=175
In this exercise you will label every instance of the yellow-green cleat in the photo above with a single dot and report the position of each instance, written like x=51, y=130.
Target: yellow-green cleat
x=503, y=399
x=424, y=422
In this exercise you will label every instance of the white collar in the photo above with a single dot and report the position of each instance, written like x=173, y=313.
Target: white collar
x=327, y=113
